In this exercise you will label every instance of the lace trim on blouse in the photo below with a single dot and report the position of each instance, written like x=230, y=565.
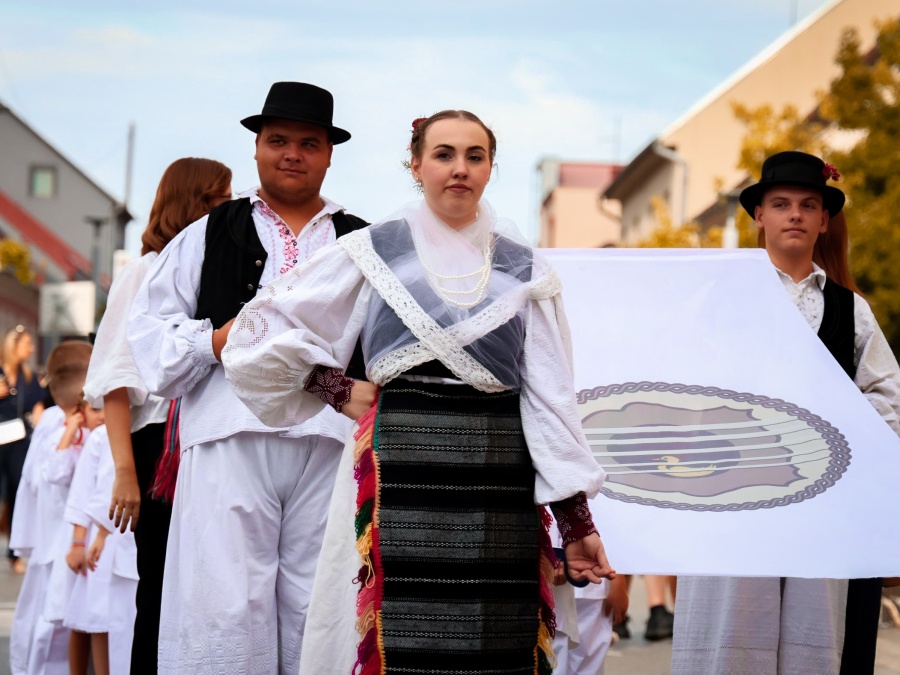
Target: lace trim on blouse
x=434, y=341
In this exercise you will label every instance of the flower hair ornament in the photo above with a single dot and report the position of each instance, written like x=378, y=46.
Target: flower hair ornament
x=416, y=122
x=828, y=171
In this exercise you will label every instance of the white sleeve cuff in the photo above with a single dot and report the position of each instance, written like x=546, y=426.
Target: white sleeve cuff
x=203, y=346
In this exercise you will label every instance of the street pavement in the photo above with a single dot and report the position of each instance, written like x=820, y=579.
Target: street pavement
x=635, y=656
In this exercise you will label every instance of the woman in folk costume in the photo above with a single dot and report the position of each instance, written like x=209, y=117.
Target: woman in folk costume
x=139, y=424
x=433, y=549
x=792, y=625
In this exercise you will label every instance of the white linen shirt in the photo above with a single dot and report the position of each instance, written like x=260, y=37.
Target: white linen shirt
x=173, y=351
x=877, y=372
x=111, y=365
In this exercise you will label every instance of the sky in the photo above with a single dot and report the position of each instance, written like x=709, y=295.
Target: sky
x=576, y=79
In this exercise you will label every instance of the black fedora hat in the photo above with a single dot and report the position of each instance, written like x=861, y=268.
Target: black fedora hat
x=798, y=169
x=300, y=102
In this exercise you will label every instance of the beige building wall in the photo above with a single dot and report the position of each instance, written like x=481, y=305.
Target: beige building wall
x=572, y=218
x=791, y=71
x=638, y=218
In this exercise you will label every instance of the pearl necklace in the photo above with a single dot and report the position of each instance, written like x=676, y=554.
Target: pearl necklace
x=480, y=290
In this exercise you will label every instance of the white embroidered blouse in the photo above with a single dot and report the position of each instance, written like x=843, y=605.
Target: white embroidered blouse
x=314, y=314
x=173, y=351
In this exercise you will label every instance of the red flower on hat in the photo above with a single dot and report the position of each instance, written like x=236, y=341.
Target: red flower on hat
x=416, y=122
x=830, y=172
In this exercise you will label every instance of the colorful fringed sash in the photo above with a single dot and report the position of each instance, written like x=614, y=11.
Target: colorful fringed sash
x=166, y=474
x=445, y=529
x=365, y=471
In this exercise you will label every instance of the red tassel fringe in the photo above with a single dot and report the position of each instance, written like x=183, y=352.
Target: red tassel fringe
x=165, y=477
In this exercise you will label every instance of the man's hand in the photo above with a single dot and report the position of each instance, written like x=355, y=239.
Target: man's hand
x=559, y=576
x=219, y=338
x=125, y=506
x=362, y=396
x=587, y=560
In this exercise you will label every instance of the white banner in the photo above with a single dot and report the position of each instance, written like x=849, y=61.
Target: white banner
x=735, y=444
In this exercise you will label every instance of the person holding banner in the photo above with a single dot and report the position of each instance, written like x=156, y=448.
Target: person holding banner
x=771, y=625
x=433, y=513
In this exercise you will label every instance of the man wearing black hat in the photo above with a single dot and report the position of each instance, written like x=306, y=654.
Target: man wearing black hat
x=251, y=501
x=769, y=625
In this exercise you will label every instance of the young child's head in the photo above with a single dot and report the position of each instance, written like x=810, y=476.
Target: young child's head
x=66, y=386
x=66, y=369
x=93, y=417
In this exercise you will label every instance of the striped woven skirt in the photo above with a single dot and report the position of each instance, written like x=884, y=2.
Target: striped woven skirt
x=450, y=539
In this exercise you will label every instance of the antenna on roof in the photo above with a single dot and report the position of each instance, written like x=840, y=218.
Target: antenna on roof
x=129, y=163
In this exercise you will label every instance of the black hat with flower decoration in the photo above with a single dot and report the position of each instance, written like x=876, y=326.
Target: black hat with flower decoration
x=796, y=169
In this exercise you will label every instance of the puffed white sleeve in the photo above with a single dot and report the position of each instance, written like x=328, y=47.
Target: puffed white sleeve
x=111, y=364
x=56, y=466
x=171, y=350
x=310, y=316
x=553, y=432
x=877, y=372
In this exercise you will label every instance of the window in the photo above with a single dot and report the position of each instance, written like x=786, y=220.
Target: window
x=42, y=182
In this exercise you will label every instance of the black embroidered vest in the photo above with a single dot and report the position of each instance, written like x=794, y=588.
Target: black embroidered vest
x=838, y=330
x=233, y=264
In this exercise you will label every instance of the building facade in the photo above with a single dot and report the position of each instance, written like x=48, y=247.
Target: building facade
x=573, y=213
x=695, y=159
x=68, y=223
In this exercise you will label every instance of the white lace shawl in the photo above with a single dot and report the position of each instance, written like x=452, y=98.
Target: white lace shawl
x=434, y=341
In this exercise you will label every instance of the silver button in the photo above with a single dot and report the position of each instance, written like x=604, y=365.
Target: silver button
x=249, y=287
x=259, y=263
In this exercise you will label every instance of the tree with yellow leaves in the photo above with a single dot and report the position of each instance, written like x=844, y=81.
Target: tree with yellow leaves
x=862, y=106
x=15, y=256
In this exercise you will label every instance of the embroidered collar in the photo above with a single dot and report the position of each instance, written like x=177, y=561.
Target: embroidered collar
x=817, y=275
x=329, y=207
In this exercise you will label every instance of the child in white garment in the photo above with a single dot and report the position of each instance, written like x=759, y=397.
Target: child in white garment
x=37, y=646
x=79, y=531
x=102, y=602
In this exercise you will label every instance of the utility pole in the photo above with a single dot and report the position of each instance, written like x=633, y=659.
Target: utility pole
x=97, y=222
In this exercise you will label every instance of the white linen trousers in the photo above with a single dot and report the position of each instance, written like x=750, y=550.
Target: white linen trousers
x=250, y=512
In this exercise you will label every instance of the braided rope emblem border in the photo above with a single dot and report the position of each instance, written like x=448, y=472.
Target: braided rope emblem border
x=834, y=439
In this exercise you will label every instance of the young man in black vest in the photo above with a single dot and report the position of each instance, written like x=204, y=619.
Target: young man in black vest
x=251, y=501
x=768, y=626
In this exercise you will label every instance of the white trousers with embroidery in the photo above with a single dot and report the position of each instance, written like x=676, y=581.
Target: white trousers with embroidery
x=247, y=525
